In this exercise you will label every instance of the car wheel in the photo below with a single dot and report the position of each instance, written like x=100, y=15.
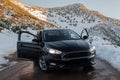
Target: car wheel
x=42, y=64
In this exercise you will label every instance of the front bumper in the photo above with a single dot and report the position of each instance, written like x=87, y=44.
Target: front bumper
x=57, y=62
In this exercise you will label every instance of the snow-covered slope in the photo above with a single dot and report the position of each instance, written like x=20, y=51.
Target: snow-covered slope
x=8, y=40
x=16, y=14
x=75, y=16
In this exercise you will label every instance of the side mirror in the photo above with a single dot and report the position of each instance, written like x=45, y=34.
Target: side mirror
x=85, y=37
x=35, y=40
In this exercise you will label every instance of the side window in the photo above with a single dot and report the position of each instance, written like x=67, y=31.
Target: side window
x=72, y=35
x=25, y=37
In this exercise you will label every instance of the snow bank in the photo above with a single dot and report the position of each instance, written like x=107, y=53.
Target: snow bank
x=8, y=42
x=107, y=51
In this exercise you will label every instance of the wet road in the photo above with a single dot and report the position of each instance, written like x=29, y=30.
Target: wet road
x=25, y=70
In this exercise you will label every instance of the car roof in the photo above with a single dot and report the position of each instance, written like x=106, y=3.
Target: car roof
x=55, y=29
x=46, y=30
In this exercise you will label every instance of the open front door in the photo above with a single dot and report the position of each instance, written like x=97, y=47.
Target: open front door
x=85, y=35
x=26, y=48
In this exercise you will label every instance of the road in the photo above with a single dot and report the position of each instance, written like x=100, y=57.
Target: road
x=25, y=70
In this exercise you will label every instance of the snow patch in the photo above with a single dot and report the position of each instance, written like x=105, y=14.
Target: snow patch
x=8, y=42
x=107, y=51
x=3, y=61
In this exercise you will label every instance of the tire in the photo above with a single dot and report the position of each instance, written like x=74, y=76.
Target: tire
x=42, y=63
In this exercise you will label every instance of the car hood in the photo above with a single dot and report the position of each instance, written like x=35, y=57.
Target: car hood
x=68, y=45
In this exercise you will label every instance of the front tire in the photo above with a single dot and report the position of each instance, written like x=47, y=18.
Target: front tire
x=42, y=63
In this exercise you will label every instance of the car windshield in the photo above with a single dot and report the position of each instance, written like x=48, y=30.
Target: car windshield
x=58, y=35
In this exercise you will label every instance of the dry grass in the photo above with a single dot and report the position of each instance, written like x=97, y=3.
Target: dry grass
x=20, y=16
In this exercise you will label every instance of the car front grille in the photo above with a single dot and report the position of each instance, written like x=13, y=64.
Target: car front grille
x=75, y=55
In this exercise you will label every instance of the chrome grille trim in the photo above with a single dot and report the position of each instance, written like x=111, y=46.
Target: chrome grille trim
x=75, y=54
x=86, y=57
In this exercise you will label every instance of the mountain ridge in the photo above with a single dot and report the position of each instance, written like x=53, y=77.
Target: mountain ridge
x=17, y=16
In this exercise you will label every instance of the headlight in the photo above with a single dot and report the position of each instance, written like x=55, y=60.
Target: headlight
x=53, y=51
x=92, y=50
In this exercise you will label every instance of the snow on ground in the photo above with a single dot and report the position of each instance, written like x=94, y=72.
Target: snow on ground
x=107, y=51
x=8, y=41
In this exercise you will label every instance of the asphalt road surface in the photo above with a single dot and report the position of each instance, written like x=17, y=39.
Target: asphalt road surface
x=25, y=70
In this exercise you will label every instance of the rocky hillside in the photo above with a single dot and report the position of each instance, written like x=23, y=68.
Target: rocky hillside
x=14, y=16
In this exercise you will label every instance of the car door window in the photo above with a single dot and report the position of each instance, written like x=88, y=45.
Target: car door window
x=25, y=37
x=74, y=35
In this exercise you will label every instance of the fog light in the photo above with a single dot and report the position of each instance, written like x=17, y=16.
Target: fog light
x=53, y=64
x=92, y=62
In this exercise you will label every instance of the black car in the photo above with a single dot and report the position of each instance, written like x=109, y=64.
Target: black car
x=57, y=48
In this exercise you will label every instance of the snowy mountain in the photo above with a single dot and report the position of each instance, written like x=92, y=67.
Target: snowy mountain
x=73, y=16
x=78, y=16
x=17, y=15
x=104, y=30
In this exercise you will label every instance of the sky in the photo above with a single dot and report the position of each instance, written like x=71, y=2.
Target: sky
x=109, y=8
